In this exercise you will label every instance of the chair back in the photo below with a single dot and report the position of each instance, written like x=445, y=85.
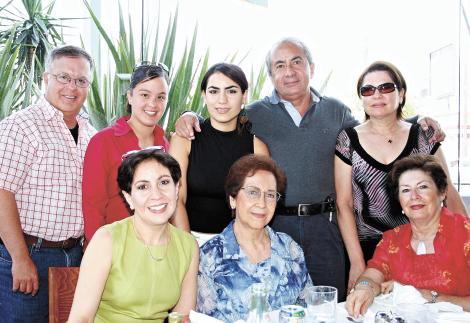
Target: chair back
x=62, y=283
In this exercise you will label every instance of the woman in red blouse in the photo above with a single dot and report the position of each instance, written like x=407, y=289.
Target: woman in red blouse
x=432, y=252
x=147, y=98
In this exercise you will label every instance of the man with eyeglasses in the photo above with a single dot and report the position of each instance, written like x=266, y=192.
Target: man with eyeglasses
x=300, y=127
x=41, y=157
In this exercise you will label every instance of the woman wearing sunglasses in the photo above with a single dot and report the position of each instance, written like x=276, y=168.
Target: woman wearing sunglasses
x=140, y=268
x=147, y=98
x=364, y=156
x=205, y=161
x=248, y=251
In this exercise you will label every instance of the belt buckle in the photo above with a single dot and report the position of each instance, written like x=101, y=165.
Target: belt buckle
x=299, y=207
x=65, y=244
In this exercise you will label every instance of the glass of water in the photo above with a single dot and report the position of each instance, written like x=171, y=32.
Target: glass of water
x=321, y=304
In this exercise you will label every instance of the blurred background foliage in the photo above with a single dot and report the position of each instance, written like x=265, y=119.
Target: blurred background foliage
x=28, y=33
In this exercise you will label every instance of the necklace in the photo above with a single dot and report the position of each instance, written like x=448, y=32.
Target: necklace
x=157, y=259
x=391, y=133
x=421, y=247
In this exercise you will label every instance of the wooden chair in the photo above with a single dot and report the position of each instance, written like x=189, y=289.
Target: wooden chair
x=62, y=283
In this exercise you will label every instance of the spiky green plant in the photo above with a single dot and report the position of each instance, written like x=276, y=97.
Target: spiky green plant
x=106, y=101
x=10, y=92
x=34, y=33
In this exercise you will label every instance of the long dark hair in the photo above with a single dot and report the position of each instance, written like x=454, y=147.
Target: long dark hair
x=236, y=74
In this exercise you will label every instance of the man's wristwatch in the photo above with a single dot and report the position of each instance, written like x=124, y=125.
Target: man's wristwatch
x=434, y=296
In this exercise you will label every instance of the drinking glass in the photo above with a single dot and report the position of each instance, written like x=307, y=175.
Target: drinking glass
x=321, y=304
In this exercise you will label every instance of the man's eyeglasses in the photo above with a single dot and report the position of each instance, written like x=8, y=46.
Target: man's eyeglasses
x=368, y=90
x=131, y=152
x=254, y=193
x=152, y=64
x=64, y=78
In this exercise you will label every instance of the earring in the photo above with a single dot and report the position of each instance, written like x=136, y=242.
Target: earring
x=402, y=212
x=243, y=117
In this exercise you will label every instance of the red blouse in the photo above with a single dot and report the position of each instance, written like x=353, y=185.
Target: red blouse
x=446, y=271
x=102, y=201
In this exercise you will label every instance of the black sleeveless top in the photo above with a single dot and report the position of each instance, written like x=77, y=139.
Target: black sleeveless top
x=212, y=154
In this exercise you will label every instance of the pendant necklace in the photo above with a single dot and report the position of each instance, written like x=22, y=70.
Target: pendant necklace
x=390, y=136
x=421, y=247
x=157, y=259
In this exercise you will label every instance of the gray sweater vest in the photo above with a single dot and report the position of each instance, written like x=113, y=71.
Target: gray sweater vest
x=306, y=153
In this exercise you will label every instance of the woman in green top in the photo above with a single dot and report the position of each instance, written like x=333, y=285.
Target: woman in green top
x=142, y=267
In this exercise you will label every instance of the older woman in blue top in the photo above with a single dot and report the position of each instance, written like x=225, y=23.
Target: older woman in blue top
x=248, y=251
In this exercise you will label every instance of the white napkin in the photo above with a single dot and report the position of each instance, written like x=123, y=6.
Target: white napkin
x=439, y=312
x=406, y=294
x=196, y=317
x=342, y=313
x=448, y=317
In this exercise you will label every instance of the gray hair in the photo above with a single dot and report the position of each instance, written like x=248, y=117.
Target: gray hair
x=67, y=51
x=288, y=40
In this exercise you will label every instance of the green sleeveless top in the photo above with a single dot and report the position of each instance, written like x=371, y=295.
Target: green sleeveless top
x=139, y=288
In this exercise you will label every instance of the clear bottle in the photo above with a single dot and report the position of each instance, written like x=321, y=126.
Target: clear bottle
x=175, y=317
x=259, y=308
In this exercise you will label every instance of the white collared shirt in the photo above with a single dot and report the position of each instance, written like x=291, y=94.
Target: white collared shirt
x=293, y=112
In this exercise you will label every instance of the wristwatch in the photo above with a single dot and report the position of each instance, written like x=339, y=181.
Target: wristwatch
x=434, y=296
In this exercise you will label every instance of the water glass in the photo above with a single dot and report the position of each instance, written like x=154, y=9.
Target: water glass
x=321, y=304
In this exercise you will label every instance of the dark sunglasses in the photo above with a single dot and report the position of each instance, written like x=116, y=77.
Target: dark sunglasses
x=149, y=64
x=368, y=90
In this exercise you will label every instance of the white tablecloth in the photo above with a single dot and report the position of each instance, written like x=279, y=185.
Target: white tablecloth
x=414, y=313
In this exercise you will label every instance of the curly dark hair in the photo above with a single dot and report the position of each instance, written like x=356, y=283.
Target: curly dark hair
x=247, y=166
x=426, y=163
x=130, y=163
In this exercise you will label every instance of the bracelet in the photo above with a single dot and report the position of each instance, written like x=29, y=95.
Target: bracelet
x=367, y=284
x=364, y=282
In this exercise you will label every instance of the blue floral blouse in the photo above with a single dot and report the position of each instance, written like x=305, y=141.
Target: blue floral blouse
x=226, y=275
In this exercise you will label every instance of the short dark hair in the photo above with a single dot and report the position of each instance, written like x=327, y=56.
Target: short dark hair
x=426, y=163
x=67, y=51
x=394, y=74
x=288, y=40
x=130, y=163
x=231, y=71
x=247, y=166
x=144, y=73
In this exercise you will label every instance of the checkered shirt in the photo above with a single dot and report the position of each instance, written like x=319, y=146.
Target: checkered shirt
x=42, y=165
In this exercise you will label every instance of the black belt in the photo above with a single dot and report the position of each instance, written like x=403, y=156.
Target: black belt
x=37, y=242
x=308, y=209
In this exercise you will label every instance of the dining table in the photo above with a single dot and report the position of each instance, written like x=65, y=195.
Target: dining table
x=441, y=312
